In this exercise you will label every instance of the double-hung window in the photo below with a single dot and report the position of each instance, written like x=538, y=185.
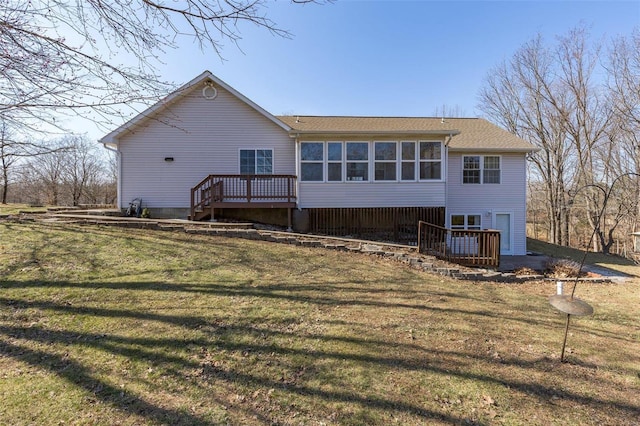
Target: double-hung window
x=334, y=161
x=430, y=160
x=385, y=160
x=491, y=169
x=256, y=161
x=312, y=161
x=481, y=169
x=408, y=159
x=357, y=161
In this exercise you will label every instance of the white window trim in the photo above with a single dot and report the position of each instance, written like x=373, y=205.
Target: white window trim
x=273, y=159
x=482, y=157
x=466, y=221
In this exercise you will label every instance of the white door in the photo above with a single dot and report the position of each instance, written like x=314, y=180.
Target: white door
x=503, y=224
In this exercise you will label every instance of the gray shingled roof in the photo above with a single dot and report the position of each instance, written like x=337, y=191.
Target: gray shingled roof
x=470, y=133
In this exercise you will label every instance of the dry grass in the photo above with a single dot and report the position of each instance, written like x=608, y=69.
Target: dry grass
x=17, y=208
x=613, y=262
x=109, y=326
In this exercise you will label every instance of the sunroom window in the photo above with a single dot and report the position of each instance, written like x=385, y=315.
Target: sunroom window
x=430, y=160
x=311, y=161
x=408, y=168
x=385, y=160
x=334, y=161
x=357, y=161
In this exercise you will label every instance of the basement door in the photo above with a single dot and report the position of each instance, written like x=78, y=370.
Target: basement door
x=502, y=223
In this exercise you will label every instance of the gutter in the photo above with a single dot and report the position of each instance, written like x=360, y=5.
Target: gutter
x=385, y=134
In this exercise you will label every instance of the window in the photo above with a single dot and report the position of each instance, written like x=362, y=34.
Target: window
x=477, y=169
x=408, y=168
x=334, y=161
x=312, y=161
x=256, y=161
x=461, y=221
x=357, y=161
x=491, y=171
x=430, y=160
x=385, y=160
x=363, y=161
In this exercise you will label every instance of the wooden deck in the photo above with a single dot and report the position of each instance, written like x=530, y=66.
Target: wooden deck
x=461, y=246
x=241, y=191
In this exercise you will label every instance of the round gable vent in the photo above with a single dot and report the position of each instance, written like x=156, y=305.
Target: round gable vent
x=209, y=91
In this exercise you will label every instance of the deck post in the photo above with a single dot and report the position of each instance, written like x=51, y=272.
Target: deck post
x=193, y=205
x=289, y=224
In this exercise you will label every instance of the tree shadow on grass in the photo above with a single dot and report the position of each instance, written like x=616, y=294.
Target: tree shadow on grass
x=159, y=350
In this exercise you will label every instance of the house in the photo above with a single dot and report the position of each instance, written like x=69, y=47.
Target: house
x=207, y=150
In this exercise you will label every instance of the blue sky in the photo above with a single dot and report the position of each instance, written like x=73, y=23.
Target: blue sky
x=387, y=57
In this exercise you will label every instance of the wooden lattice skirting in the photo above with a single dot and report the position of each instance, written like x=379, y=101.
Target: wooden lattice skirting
x=399, y=224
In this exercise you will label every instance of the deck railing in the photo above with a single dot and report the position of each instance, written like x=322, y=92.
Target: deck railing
x=243, y=191
x=461, y=246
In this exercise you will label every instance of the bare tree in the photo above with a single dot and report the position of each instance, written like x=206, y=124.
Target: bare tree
x=13, y=149
x=48, y=171
x=624, y=155
x=551, y=97
x=522, y=95
x=82, y=168
x=67, y=56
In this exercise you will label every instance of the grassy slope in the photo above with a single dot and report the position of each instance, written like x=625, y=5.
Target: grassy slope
x=110, y=326
x=615, y=263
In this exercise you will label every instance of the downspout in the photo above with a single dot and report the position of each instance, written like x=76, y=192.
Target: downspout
x=446, y=180
x=118, y=178
x=297, y=166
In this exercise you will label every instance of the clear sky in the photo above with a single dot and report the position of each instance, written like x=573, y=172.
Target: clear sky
x=397, y=58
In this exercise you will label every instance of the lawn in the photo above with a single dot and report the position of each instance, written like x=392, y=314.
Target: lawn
x=6, y=209
x=106, y=326
x=613, y=262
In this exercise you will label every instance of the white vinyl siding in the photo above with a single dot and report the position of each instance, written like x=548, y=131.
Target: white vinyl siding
x=204, y=137
x=372, y=194
x=509, y=196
